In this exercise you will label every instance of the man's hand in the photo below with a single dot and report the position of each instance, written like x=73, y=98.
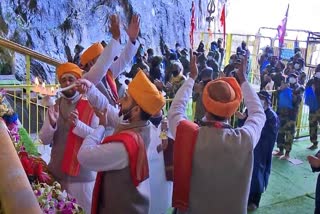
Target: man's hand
x=134, y=28
x=53, y=113
x=241, y=66
x=193, y=66
x=115, y=27
x=83, y=85
x=102, y=115
x=74, y=117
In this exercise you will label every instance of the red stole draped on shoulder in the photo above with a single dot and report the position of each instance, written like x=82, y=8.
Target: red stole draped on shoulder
x=186, y=137
x=138, y=162
x=112, y=84
x=70, y=163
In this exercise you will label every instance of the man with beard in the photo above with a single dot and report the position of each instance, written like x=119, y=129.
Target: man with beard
x=57, y=130
x=313, y=101
x=121, y=185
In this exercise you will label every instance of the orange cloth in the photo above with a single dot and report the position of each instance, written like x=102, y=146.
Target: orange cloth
x=186, y=138
x=70, y=163
x=92, y=52
x=69, y=68
x=146, y=94
x=113, y=86
x=138, y=162
x=222, y=97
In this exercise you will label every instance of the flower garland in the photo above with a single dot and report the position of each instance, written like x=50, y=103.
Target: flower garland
x=50, y=196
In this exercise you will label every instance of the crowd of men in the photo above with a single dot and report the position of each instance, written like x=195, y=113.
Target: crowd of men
x=113, y=147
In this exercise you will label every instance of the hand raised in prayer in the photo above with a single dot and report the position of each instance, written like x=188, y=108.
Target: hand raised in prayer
x=53, y=115
x=193, y=66
x=115, y=27
x=102, y=115
x=74, y=117
x=134, y=28
x=241, y=66
x=83, y=85
x=314, y=161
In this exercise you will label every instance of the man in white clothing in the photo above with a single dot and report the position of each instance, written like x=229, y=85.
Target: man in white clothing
x=213, y=163
x=57, y=130
x=104, y=65
x=121, y=185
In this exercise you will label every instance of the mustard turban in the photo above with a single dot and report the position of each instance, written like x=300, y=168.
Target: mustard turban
x=69, y=68
x=222, y=97
x=146, y=94
x=92, y=52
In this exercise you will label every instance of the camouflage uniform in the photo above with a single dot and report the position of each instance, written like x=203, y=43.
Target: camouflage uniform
x=314, y=114
x=288, y=120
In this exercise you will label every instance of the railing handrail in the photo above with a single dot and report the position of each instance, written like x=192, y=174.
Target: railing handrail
x=27, y=51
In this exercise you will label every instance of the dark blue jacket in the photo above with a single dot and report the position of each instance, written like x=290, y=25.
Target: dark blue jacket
x=263, y=153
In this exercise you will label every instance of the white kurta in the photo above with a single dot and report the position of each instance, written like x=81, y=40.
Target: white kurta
x=160, y=188
x=82, y=191
x=105, y=157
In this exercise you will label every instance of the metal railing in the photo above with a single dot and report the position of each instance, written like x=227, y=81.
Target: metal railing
x=20, y=96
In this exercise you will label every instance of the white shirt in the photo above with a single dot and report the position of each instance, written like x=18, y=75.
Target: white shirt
x=106, y=61
x=253, y=125
x=102, y=157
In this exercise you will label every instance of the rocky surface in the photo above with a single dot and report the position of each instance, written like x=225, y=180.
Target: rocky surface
x=54, y=28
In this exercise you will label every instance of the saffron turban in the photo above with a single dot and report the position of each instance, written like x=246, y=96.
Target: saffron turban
x=69, y=68
x=92, y=52
x=146, y=94
x=222, y=97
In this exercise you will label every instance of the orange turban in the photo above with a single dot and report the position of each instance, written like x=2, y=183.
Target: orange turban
x=146, y=94
x=222, y=97
x=69, y=68
x=92, y=52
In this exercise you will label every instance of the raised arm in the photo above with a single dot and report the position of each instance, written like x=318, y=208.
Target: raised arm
x=130, y=49
x=256, y=116
x=99, y=101
x=105, y=60
x=177, y=111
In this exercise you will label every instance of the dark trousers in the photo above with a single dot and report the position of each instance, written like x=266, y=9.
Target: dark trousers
x=254, y=198
x=314, y=120
x=317, y=201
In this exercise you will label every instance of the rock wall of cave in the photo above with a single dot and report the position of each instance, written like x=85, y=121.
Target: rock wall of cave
x=56, y=28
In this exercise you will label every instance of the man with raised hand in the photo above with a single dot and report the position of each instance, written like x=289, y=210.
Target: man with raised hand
x=213, y=163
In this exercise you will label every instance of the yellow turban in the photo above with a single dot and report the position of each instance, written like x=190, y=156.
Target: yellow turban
x=222, y=97
x=69, y=68
x=92, y=52
x=146, y=94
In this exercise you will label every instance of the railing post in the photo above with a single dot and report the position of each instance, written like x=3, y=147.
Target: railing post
x=299, y=120
x=28, y=91
x=228, y=49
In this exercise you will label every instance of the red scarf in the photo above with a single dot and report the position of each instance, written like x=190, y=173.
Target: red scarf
x=138, y=162
x=186, y=138
x=113, y=86
x=70, y=163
